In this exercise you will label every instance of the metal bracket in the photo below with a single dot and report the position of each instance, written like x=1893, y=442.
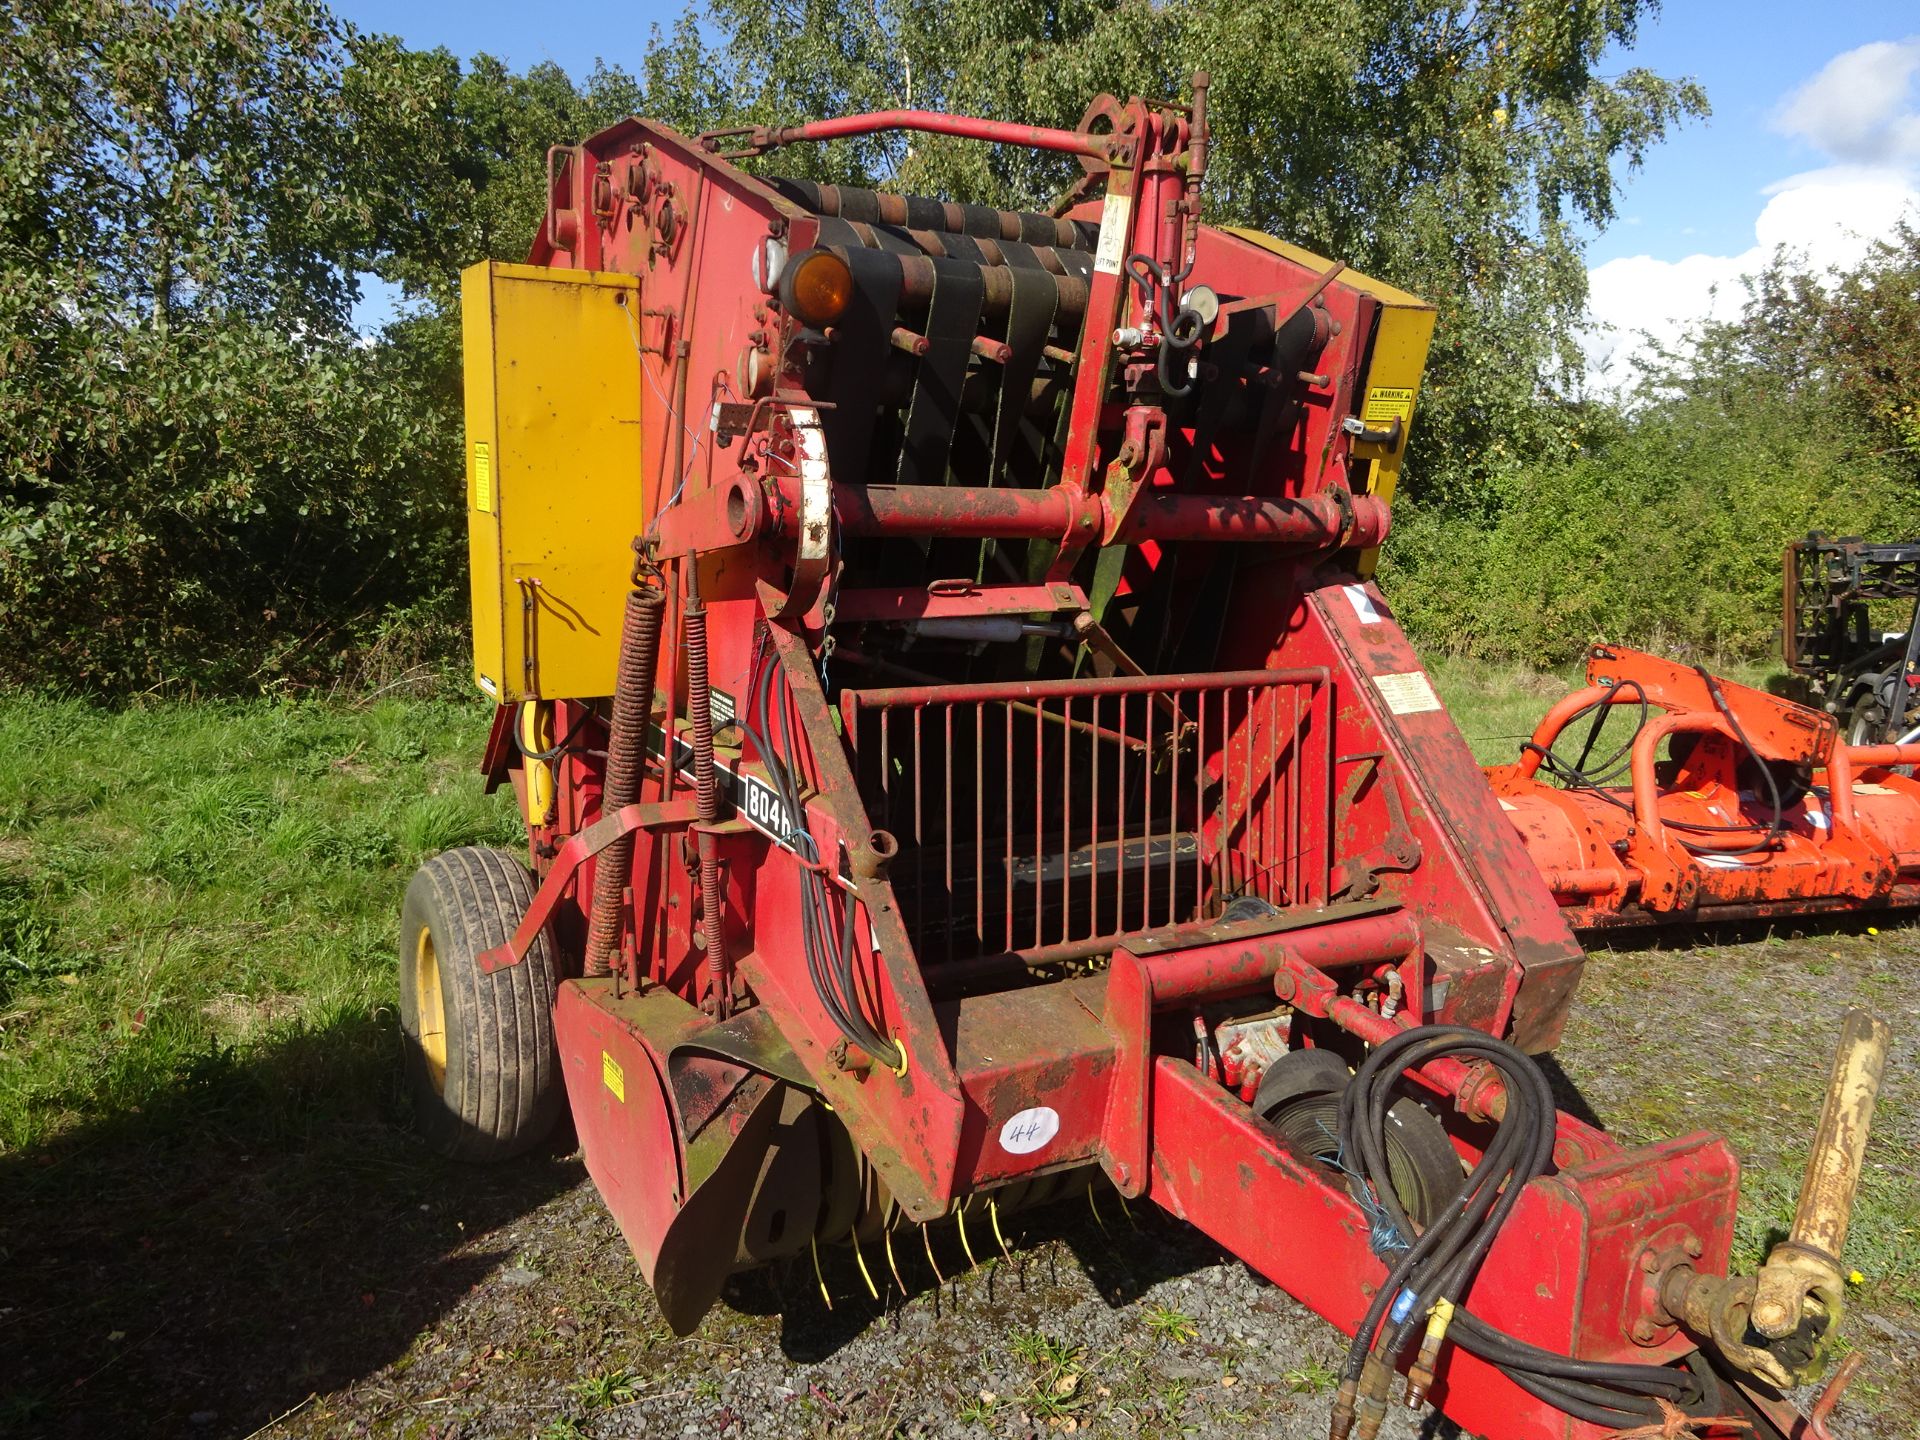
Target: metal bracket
x=582, y=846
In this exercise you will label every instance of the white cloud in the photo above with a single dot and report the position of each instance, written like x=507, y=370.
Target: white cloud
x=1860, y=108
x=1862, y=111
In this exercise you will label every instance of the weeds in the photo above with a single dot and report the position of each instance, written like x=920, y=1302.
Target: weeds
x=1174, y=1326
x=607, y=1389
x=1310, y=1378
x=1060, y=1367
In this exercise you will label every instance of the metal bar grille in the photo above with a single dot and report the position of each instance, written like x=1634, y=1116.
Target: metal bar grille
x=1049, y=819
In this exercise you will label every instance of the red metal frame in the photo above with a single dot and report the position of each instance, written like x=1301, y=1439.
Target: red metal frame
x=1383, y=863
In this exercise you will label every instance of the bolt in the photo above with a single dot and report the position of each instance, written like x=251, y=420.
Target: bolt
x=1643, y=1332
x=1285, y=986
x=1122, y=1172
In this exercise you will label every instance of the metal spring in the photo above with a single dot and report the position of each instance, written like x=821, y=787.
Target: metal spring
x=626, y=760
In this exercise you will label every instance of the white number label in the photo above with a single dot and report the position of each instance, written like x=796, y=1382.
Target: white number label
x=1030, y=1130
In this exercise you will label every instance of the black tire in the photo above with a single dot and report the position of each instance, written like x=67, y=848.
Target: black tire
x=482, y=1069
x=1867, y=721
x=1300, y=1097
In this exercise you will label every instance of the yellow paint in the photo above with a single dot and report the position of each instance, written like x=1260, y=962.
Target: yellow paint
x=613, y=1077
x=536, y=736
x=554, y=481
x=1392, y=382
x=431, y=1006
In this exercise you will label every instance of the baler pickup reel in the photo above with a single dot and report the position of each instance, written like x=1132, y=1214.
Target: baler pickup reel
x=1007, y=778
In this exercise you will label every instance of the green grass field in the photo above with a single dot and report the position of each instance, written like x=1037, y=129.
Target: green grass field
x=184, y=885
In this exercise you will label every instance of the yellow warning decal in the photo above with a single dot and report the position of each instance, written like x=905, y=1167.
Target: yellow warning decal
x=1387, y=403
x=613, y=1077
x=482, y=477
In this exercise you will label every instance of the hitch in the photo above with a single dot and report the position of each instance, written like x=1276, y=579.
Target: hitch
x=1777, y=1325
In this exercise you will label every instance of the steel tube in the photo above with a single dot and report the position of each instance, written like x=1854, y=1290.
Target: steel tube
x=1841, y=766
x=1555, y=720
x=1317, y=522
x=1646, y=750
x=967, y=127
x=1093, y=684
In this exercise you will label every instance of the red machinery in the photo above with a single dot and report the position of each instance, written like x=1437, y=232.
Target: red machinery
x=992, y=745
x=1717, y=802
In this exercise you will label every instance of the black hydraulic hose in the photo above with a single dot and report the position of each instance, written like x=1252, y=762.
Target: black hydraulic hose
x=1442, y=1261
x=829, y=955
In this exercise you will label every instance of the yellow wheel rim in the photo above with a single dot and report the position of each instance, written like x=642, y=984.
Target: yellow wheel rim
x=432, y=1010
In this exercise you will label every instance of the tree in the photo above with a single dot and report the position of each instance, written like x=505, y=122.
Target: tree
x=1667, y=528
x=204, y=476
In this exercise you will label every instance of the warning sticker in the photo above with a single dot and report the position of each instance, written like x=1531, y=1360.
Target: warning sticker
x=1362, y=603
x=1113, y=235
x=1387, y=403
x=1407, y=693
x=613, y=1077
x=482, y=477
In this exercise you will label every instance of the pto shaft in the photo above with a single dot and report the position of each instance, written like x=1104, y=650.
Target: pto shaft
x=1808, y=1261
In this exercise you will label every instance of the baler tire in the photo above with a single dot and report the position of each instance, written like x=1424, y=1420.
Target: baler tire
x=485, y=1082
x=1300, y=1098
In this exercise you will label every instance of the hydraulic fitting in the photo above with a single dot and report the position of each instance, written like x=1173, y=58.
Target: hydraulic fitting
x=1420, y=1377
x=1342, y=1423
x=1375, y=1377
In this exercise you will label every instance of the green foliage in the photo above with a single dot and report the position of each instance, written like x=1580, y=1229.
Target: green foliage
x=204, y=477
x=1667, y=527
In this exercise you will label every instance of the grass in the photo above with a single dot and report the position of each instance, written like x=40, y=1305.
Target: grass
x=607, y=1390
x=184, y=886
x=1176, y=1327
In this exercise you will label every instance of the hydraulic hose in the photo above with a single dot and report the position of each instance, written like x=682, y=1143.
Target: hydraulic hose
x=1435, y=1266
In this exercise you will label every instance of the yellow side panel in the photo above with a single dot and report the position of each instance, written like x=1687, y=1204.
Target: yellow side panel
x=553, y=475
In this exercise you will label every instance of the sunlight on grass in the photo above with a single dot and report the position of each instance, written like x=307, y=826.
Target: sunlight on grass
x=182, y=885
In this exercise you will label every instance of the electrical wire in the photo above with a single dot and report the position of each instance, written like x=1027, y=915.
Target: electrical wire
x=829, y=947
x=1442, y=1261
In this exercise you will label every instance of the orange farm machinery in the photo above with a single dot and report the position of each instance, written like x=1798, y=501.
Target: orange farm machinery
x=965, y=759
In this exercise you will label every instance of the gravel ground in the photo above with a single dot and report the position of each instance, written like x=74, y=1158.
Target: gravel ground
x=421, y=1301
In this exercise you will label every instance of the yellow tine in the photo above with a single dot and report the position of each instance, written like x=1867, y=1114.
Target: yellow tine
x=1094, y=1205
x=861, y=1259
x=892, y=1264
x=926, y=1236
x=820, y=1279
x=966, y=1244
x=993, y=1214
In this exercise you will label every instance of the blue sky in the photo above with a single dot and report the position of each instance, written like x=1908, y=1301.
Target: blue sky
x=1814, y=141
